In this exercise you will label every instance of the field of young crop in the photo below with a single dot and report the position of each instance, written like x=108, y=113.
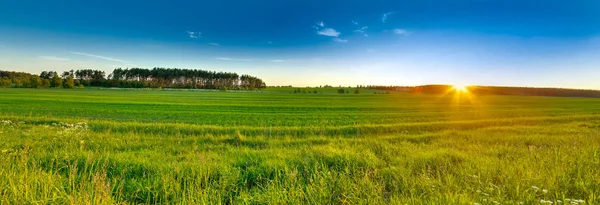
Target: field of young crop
x=116, y=146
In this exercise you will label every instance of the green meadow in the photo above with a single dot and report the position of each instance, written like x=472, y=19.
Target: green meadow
x=144, y=146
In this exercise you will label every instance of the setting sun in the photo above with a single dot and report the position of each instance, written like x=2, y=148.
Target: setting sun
x=460, y=88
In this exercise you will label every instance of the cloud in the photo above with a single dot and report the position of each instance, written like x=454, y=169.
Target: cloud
x=339, y=40
x=52, y=58
x=321, y=24
x=385, y=16
x=235, y=59
x=276, y=61
x=193, y=34
x=401, y=32
x=101, y=57
x=214, y=44
x=362, y=31
x=354, y=22
x=328, y=32
x=269, y=42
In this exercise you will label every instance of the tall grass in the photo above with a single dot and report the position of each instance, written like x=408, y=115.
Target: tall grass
x=535, y=157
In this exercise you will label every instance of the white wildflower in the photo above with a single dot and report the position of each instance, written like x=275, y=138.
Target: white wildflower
x=545, y=191
x=535, y=187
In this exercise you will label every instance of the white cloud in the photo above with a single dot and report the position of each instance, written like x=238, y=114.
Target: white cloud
x=53, y=58
x=362, y=31
x=340, y=40
x=235, y=59
x=321, y=24
x=329, y=32
x=354, y=22
x=214, y=44
x=276, y=61
x=101, y=57
x=401, y=32
x=193, y=34
x=269, y=42
x=385, y=16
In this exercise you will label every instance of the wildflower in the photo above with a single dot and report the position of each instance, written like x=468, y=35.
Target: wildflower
x=478, y=191
x=521, y=202
x=559, y=201
x=545, y=191
x=535, y=187
x=485, y=194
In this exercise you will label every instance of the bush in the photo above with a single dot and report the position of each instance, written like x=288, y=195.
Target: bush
x=341, y=91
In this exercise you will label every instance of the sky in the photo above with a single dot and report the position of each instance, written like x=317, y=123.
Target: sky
x=539, y=43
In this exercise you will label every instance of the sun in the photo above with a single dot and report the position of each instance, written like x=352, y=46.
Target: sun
x=460, y=88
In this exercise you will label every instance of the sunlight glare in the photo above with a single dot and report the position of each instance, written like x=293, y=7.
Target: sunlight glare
x=460, y=88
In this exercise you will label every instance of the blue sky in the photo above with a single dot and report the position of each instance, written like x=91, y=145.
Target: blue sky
x=486, y=42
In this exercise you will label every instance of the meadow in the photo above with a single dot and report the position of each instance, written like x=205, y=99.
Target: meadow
x=145, y=146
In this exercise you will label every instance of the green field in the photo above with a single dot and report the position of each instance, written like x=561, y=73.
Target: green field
x=115, y=146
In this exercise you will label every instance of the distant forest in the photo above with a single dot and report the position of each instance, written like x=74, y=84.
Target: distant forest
x=495, y=90
x=133, y=78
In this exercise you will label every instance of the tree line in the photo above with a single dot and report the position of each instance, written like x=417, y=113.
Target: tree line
x=133, y=78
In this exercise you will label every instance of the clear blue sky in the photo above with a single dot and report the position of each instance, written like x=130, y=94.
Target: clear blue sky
x=308, y=42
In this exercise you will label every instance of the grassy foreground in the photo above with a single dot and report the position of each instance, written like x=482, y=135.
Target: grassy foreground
x=96, y=146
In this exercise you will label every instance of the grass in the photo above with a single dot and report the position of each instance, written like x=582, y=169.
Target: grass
x=110, y=146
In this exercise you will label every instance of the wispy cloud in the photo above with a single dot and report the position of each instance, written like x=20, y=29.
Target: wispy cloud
x=101, y=57
x=385, y=16
x=321, y=24
x=276, y=61
x=214, y=44
x=328, y=32
x=362, y=31
x=235, y=59
x=53, y=58
x=354, y=22
x=401, y=32
x=269, y=42
x=339, y=40
x=194, y=34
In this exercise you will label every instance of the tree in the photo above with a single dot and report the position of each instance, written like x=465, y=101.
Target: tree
x=341, y=91
x=45, y=83
x=56, y=81
x=356, y=91
x=5, y=82
x=36, y=81
x=69, y=82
